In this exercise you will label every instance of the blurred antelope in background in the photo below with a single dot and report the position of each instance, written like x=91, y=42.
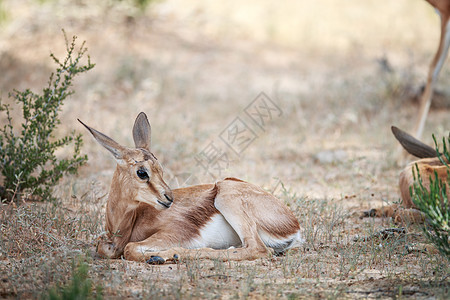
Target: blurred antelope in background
x=427, y=165
x=443, y=8
x=147, y=221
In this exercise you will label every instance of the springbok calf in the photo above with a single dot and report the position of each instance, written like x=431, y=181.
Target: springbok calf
x=147, y=221
x=427, y=165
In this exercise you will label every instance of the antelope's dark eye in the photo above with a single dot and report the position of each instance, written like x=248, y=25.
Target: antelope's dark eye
x=142, y=174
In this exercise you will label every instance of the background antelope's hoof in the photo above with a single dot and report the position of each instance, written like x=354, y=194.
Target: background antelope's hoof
x=156, y=260
x=369, y=213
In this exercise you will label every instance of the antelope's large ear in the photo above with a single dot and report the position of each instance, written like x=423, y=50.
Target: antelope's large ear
x=110, y=145
x=412, y=145
x=142, y=132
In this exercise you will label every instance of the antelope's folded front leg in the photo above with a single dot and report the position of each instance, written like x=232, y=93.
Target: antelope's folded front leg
x=140, y=252
x=409, y=216
x=143, y=252
x=107, y=249
x=385, y=211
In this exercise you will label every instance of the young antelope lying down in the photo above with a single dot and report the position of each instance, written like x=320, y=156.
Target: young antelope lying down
x=147, y=221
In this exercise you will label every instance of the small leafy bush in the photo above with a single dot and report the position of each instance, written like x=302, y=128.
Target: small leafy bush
x=433, y=202
x=27, y=155
x=80, y=286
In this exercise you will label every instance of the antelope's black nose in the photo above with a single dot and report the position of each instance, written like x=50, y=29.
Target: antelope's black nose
x=169, y=197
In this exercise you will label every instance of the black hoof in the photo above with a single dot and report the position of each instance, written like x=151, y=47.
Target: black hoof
x=369, y=213
x=156, y=260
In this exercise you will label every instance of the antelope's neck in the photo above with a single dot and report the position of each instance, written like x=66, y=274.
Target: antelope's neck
x=120, y=204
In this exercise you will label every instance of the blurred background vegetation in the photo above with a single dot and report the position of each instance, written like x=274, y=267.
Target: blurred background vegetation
x=341, y=74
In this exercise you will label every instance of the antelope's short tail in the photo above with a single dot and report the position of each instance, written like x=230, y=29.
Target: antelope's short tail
x=412, y=145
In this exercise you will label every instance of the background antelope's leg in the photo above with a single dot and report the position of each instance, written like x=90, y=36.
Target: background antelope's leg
x=385, y=211
x=435, y=68
x=399, y=214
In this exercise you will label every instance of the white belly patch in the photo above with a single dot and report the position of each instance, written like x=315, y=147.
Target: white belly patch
x=216, y=234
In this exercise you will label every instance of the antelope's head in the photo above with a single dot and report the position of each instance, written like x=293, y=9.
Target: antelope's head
x=138, y=171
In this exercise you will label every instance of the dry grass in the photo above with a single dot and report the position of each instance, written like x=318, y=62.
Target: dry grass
x=193, y=67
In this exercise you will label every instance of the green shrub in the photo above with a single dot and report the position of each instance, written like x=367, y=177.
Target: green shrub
x=434, y=204
x=27, y=155
x=79, y=287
